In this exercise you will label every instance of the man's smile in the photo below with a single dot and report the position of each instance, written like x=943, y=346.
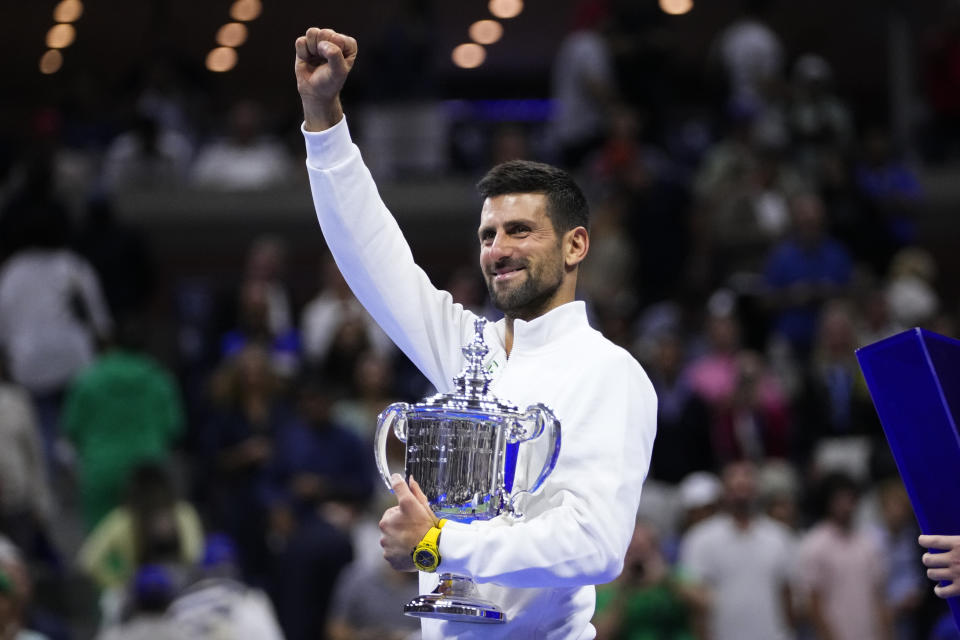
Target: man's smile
x=505, y=273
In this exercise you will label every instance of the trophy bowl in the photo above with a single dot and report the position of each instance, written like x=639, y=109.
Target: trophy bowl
x=462, y=447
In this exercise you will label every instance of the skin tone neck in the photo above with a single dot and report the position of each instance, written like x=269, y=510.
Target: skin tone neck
x=529, y=268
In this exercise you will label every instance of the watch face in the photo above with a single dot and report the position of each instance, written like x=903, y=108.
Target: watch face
x=424, y=558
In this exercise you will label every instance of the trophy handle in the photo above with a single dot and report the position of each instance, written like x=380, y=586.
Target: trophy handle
x=393, y=416
x=535, y=420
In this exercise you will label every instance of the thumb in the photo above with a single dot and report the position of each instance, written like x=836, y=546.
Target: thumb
x=418, y=493
x=398, y=485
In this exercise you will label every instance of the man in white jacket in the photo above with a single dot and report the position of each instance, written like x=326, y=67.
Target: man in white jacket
x=533, y=235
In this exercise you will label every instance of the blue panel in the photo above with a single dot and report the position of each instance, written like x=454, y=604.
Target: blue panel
x=914, y=380
x=510, y=464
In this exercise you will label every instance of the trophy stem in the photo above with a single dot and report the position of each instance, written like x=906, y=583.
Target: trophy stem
x=455, y=599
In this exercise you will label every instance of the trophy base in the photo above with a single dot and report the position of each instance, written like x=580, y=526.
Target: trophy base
x=455, y=599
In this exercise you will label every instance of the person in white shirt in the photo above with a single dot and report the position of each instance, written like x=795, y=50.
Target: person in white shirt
x=533, y=236
x=744, y=559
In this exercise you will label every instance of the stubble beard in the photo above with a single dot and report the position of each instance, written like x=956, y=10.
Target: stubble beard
x=529, y=298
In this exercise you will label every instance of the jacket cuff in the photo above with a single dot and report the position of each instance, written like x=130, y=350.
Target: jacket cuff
x=456, y=540
x=328, y=148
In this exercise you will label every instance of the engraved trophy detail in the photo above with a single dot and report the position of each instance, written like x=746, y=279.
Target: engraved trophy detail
x=461, y=447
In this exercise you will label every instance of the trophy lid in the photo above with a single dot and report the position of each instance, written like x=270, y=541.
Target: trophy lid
x=471, y=392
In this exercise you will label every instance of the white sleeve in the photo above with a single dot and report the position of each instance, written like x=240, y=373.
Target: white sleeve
x=376, y=261
x=593, y=495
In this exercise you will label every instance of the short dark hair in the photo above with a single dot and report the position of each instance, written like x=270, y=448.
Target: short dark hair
x=566, y=205
x=830, y=486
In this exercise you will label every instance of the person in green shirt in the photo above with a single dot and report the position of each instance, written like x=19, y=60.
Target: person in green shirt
x=650, y=600
x=123, y=410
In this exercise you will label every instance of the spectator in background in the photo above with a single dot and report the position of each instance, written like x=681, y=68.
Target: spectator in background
x=841, y=573
x=895, y=535
x=751, y=56
x=641, y=227
x=910, y=295
x=123, y=410
x=217, y=604
x=267, y=264
x=743, y=187
x=254, y=328
x=145, y=614
x=778, y=487
x=367, y=604
x=368, y=597
x=717, y=375
x=683, y=442
x=607, y=281
x=752, y=425
x=372, y=392
x=583, y=85
x=819, y=122
x=163, y=96
x=891, y=193
x=238, y=446
x=247, y=158
x=744, y=560
x=52, y=315
x=26, y=501
x=833, y=402
x=52, y=170
x=337, y=329
x=320, y=479
x=650, y=599
x=153, y=527
x=146, y=157
x=802, y=272
x=317, y=461
x=15, y=595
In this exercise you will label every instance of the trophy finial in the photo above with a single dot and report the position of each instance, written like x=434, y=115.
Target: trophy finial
x=474, y=381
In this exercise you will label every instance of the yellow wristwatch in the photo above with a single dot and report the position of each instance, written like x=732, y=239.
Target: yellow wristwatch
x=426, y=555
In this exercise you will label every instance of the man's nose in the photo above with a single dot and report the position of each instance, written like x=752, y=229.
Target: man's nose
x=501, y=247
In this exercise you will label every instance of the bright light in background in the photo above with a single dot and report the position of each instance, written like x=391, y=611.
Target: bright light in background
x=486, y=31
x=469, y=56
x=51, y=61
x=505, y=9
x=676, y=7
x=61, y=35
x=68, y=11
x=246, y=10
x=221, y=59
x=232, y=34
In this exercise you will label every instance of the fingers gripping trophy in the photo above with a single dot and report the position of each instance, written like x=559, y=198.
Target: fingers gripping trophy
x=461, y=451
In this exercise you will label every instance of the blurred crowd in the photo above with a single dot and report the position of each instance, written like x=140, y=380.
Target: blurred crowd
x=223, y=484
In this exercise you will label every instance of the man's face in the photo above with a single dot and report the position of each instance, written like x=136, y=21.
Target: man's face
x=521, y=254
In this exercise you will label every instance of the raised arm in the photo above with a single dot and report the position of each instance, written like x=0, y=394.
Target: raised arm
x=365, y=240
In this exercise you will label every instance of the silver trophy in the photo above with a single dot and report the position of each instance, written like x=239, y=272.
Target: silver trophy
x=461, y=447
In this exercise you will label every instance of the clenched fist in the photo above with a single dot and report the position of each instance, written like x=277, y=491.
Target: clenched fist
x=324, y=58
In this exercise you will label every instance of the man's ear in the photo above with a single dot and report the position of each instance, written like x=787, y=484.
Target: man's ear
x=576, y=244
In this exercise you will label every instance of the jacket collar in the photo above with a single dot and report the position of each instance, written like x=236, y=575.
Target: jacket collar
x=548, y=328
